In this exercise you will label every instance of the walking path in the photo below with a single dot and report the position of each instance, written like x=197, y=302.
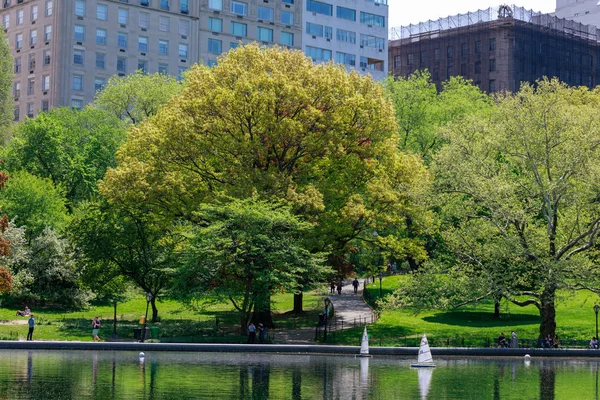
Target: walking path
x=350, y=311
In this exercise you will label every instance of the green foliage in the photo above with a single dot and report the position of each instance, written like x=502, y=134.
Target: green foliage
x=247, y=251
x=136, y=97
x=34, y=203
x=7, y=105
x=71, y=148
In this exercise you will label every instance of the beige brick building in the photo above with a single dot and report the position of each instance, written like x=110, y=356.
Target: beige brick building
x=65, y=50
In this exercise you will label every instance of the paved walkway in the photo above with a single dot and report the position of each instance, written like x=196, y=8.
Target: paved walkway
x=350, y=311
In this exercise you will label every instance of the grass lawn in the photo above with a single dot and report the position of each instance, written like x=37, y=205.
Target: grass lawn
x=473, y=324
x=177, y=322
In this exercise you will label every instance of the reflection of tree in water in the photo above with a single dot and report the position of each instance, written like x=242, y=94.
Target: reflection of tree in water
x=296, y=383
x=547, y=381
x=261, y=374
x=244, y=386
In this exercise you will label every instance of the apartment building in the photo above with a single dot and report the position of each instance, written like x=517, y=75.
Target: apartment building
x=499, y=48
x=350, y=32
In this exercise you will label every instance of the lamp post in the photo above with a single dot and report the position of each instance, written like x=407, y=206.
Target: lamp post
x=596, y=309
x=148, y=300
x=380, y=291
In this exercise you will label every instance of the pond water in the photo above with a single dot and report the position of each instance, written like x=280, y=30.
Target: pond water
x=166, y=375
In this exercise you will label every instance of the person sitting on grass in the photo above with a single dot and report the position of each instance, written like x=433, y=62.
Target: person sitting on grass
x=24, y=313
x=594, y=343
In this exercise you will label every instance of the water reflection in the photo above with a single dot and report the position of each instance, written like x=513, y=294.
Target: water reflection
x=123, y=375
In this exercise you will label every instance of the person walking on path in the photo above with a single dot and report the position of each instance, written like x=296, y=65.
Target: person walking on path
x=95, y=329
x=339, y=287
x=262, y=331
x=355, y=284
x=31, y=324
x=332, y=286
x=251, y=333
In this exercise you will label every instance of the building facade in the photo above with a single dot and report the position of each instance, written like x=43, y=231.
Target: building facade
x=585, y=11
x=498, y=49
x=350, y=32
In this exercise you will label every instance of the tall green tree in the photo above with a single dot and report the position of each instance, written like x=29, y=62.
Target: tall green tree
x=72, y=148
x=520, y=191
x=268, y=122
x=245, y=251
x=136, y=97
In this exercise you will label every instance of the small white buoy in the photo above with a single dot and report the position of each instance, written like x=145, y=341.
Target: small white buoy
x=142, y=355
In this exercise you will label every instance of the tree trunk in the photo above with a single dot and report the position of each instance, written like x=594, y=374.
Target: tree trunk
x=298, y=303
x=262, y=311
x=115, y=320
x=548, y=313
x=496, y=308
x=154, y=309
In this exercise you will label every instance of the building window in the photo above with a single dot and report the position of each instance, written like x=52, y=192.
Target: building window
x=397, y=61
x=163, y=47
x=20, y=17
x=31, y=86
x=17, y=65
x=287, y=18
x=101, y=60
x=6, y=21
x=49, y=6
x=163, y=69
x=31, y=62
x=143, y=43
x=464, y=50
x=79, y=33
x=46, y=55
x=30, y=110
x=237, y=7
x=18, y=40
x=492, y=44
x=319, y=7
x=180, y=72
x=101, y=36
x=478, y=67
x=164, y=24
x=345, y=36
x=212, y=63
x=478, y=46
x=345, y=58
x=123, y=16
x=449, y=71
x=288, y=1
x=17, y=113
x=121, y=64
x=314, y=29
x=17, y=89
x=492, y=85
x=450, y=52
x=215, y=24
x=183, y=50
x=143, y=20
x=239, y=29
x=372, y=41
x=215, y=46
x=102, y=12
x=215, y=4
x=45, y=83
x=492, y=64
x=345, y=13
x=372, y=19
x=34, y=13
x=77, y=83
x=264, y=34
x=463, y=70
x=76, y=104
x=164, y=5
x=45, y=105
x=318, y=54
x=234, y=45
x=265, y=13
x=47, y=33
x=184, y=27
x=143, y=66
x=32, y=37
x=184, y=7
x=436, y=54
x=80, y=8
x=409, y=59
x=122, y=40
x=422, y=56
x=287, y=38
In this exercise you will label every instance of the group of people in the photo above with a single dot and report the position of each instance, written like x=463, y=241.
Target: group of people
x=262, y=333
x=31, y=324
x=551, y=342
x=333, y=285
x=505, y=343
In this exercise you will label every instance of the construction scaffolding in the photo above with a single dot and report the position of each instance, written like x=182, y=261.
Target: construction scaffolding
x=570, y=27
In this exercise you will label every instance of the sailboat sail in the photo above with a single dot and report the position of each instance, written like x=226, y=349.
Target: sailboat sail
x=424, y=352
x=364, y=344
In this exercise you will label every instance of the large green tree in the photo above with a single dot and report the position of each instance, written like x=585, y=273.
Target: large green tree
x=520, y=191
x=72, y=148
x=136, y=97
x=246, y=251
x=268, y=122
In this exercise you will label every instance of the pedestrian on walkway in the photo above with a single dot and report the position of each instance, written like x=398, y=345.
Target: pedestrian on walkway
x=262, y=332
x=332, y=287
x=95, y=329
x=355, y=284
x=514, y=342
x=31, y=324
x=251, y=333
x=339, y=287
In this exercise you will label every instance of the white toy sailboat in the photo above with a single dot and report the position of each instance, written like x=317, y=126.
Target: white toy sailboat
x=424, y=360
x=364, y=345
